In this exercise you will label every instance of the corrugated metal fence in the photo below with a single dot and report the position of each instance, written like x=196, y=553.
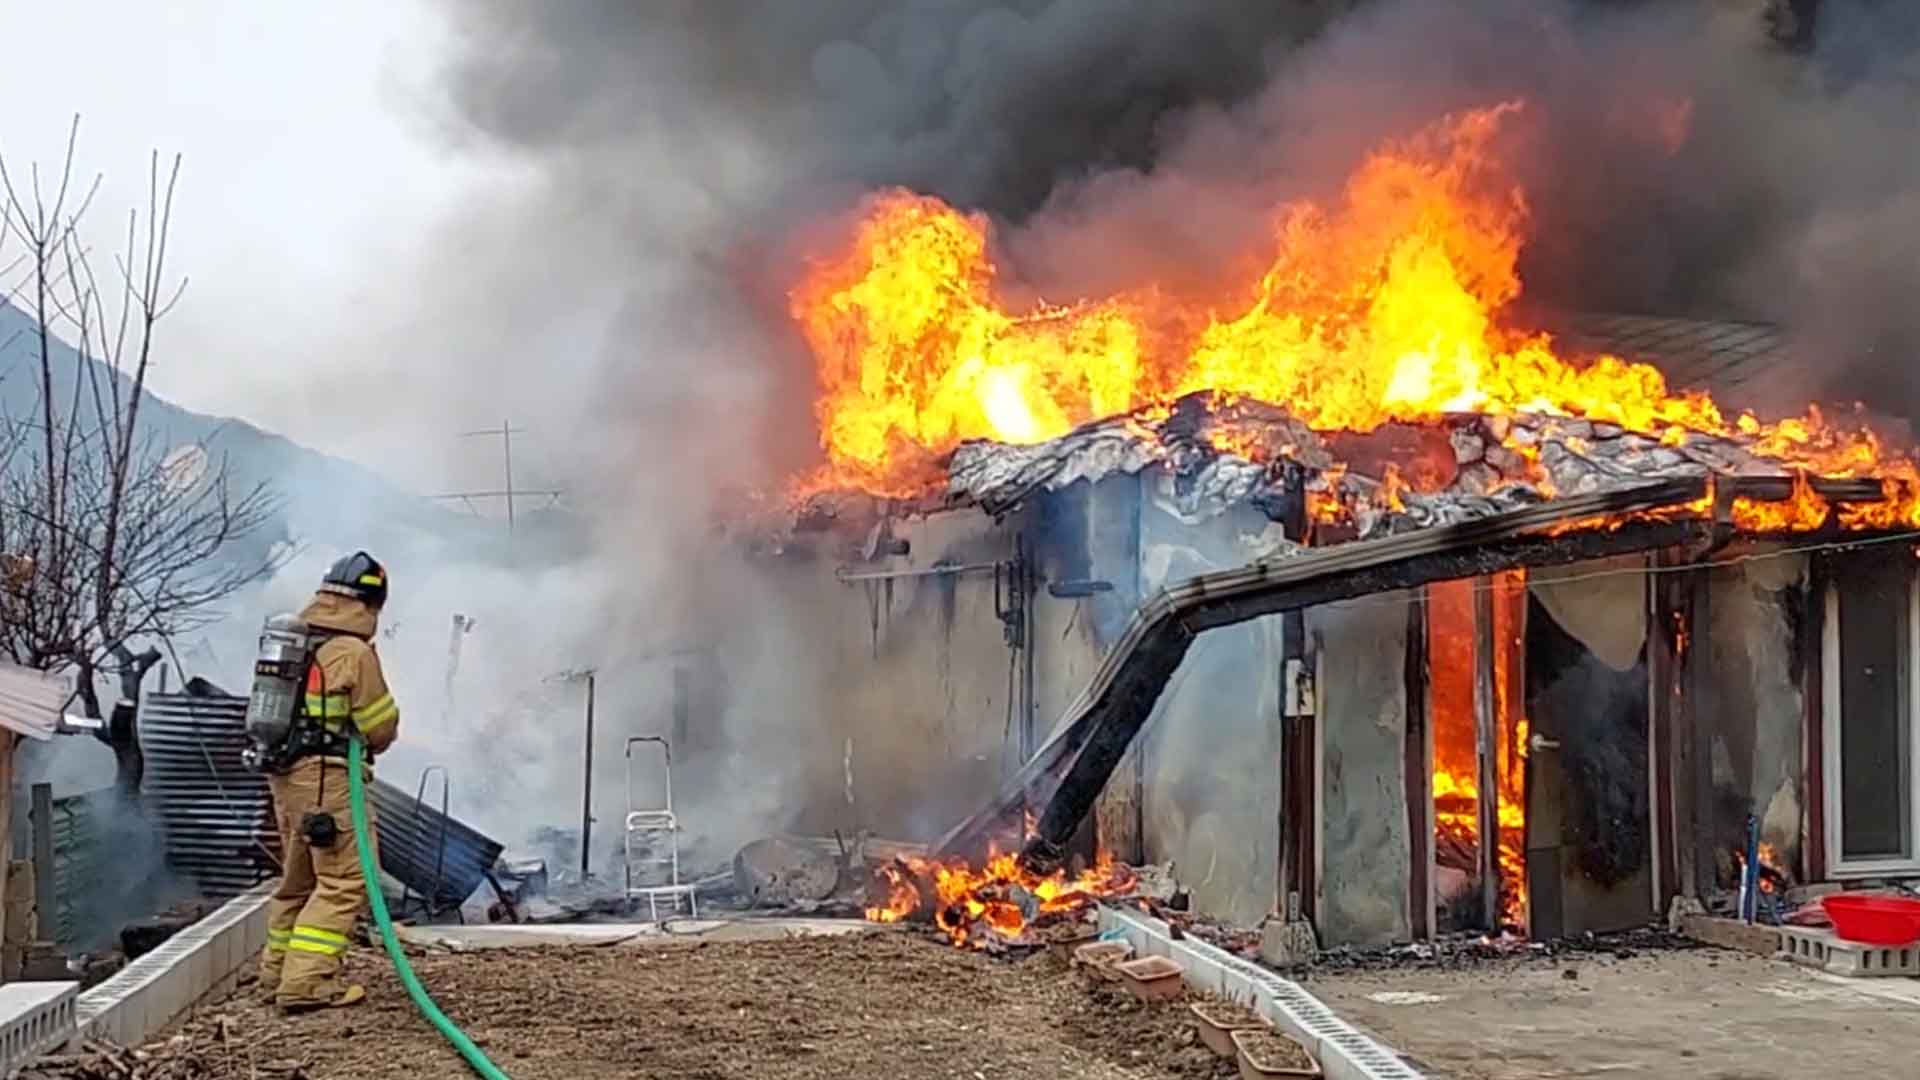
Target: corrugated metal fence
x=217, y=816
x=411, y=851
x=214, y=813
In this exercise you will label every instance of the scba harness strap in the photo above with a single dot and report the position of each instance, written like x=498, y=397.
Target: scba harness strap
x=320, y=728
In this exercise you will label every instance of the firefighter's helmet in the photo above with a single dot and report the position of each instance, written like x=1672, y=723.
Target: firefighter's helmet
x=360, y=576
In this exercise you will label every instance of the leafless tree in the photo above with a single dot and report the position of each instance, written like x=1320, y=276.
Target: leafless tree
x=115, y=538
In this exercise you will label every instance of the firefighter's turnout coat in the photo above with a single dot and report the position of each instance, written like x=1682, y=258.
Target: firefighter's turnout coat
x=321, y=892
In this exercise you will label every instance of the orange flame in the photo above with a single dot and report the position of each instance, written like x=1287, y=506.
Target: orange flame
x=1769, y=859
x=1510, y=745
x=965, y=902
x=1392, y=486
x=915, y=355
x=1384, y=305
x=1804, y=511
x=1324, y=504
x=1451, y=630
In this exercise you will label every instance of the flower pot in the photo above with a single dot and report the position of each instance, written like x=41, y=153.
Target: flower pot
x=1152, y=978
x=1218, y=1020
x=1100, y=957
x=1269, y=1053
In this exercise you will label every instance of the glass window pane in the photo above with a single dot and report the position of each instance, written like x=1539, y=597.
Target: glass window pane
x=1875, y=819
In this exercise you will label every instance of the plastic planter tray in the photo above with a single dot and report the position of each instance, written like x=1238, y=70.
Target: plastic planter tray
x=1256, y=1065
x=1152, y=978
x=1218, y=1020
x=1101, y=956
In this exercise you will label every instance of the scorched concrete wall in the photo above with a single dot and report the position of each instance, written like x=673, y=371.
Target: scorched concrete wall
x=1753, y=703
x=1082, y=535
x=1366, y=856
x=1201, y=787
x=1211, y=753
x=898, y=692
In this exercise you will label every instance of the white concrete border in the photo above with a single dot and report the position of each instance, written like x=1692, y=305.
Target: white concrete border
x=677, y=932
x=35, y=1017
x=1343, y=1051
x=199, y=961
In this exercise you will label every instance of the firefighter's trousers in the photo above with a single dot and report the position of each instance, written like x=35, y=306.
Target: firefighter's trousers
x=321, y=892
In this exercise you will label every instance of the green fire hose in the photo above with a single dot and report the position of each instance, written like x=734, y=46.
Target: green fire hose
x=357, y=794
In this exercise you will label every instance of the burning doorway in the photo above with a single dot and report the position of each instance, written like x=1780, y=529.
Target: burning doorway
x=1537, y=691
x=1475, y=653
x=1589, y=850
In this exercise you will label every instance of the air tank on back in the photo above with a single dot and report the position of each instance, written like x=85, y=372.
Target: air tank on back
x=279, y=675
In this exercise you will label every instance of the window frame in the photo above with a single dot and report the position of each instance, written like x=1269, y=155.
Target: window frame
x=1839, y=866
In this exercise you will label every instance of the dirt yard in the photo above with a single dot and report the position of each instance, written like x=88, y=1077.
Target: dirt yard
x=885, y=1004
x=1705, y=1014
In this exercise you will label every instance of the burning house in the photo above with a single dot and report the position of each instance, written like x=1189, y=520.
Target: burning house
x=1359, y=589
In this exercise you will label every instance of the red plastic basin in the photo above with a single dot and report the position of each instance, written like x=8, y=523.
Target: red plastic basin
x=1874, y=920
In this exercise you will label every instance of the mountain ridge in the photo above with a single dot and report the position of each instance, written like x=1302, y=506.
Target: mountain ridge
x=322, y=498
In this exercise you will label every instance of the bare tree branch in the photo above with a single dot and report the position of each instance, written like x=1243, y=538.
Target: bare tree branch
x=125, y=538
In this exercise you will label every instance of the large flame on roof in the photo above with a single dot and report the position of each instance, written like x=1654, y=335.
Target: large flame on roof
x=1384, y=305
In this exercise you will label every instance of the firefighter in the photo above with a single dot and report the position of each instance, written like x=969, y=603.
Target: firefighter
x=321, y=891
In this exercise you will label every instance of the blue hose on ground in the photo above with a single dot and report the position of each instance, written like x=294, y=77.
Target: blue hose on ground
x=356, y=788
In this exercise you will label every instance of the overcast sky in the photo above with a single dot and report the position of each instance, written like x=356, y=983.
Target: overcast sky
x=314, y=168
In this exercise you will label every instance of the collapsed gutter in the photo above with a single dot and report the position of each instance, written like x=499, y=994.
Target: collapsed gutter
x=1069, y=771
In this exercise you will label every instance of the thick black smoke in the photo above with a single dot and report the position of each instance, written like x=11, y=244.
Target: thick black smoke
x=677, y=143
x=987, y=105
x=1793, y=198
x=1713, y=158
